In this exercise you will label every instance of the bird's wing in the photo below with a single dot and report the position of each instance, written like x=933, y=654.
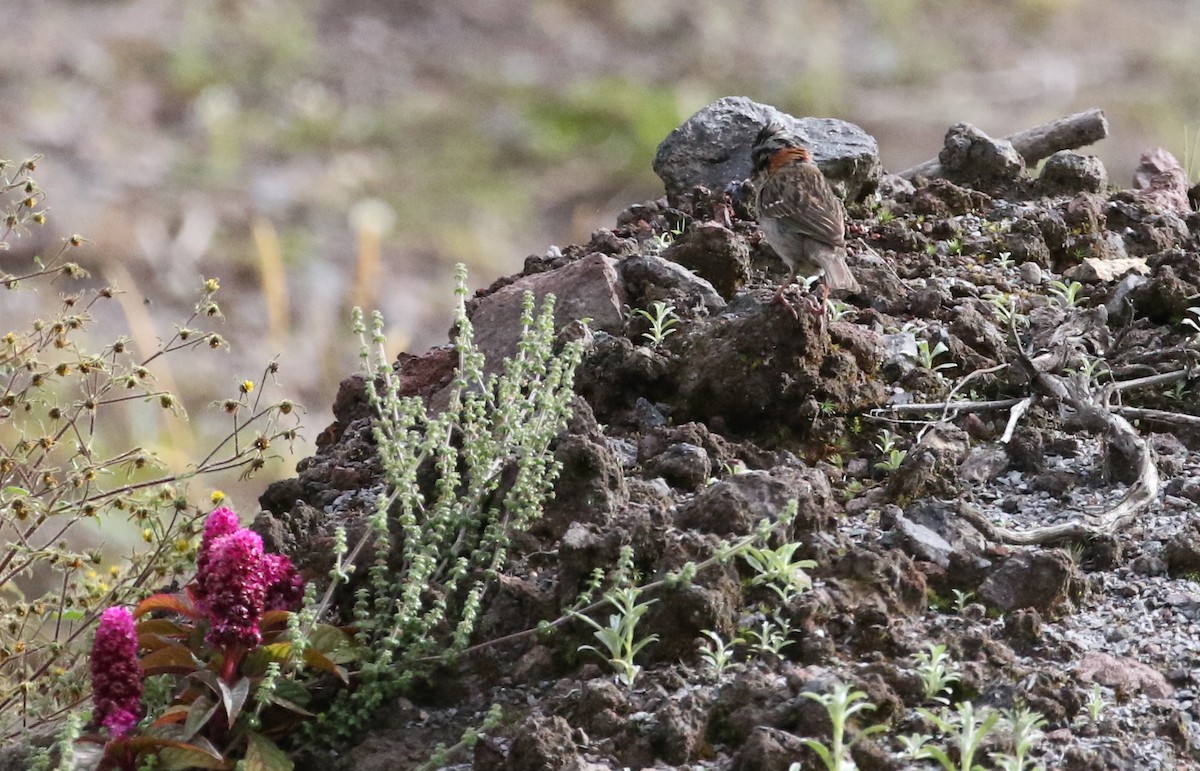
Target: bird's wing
x=801, y=201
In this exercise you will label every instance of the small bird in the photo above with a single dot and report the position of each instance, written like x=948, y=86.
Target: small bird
x=800, y=216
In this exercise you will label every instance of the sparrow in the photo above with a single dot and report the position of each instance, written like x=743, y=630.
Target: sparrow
x=799, y=214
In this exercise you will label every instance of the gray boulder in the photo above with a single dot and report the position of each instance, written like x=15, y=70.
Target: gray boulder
x=712, y=148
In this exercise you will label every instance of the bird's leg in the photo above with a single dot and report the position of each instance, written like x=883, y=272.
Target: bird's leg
x=779, y=294
x=818, y=306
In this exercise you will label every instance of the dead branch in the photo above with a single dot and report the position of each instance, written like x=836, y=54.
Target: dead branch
x=1144, y=382
x=949, y=407
x=1039, y=142
x=1162, y=416
x=1014, y=417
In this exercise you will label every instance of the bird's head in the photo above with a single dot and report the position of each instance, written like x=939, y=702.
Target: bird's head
x=771, y=140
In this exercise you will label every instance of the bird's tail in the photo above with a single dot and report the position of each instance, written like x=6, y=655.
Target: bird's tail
x=839, y=278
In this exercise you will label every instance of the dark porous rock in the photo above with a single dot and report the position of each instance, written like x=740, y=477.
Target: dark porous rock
x=1027, y=450
x=679, y=732
x=684, y=612
x=649, y=279
x=591, y=484
x=1023, y=629
x=758, y=698
x=979, y=331
x=929, y=466
x=712, y=148
x=1047, y=581
x=1147, y=229
x=715, y=254
x=943, y=198
x=543, y=742
x=616, y=374
x=1066, y=172
x=685, y=466
x=972, y=157
x=1168, y=294
x=770, y=749
x=744, y=372
x=1026, y=242
x=900, y=586
x=734, y=506
x=1182, y=552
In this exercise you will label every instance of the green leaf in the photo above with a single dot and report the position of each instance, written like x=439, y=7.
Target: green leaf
x=263, y=755
x=320, y=661
x=175, y=659
x=175, y=755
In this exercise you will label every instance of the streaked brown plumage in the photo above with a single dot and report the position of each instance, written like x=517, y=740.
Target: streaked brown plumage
x=800, y=216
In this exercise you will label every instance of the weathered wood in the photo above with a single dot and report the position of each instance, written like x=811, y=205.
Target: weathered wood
x=1039, y=142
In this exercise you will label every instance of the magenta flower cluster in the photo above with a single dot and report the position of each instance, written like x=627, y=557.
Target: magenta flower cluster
x=236, y=581
x=116, y=673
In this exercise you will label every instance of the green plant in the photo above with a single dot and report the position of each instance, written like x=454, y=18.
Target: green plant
x=954, y=246
x=1004, y=260
x=1193, y=323
x=71, y=466
x=438, y=547
x=658, y=243
x=779, y=570
x=1005, y=308
x=771, y=637
x=1024, y=727
x=1093, y=367
x=1178, y=391
x=892, y=456
x=842, y=703
x=961, y=599
x=884, y=215
x=938, y=673
x=1191, y=158
x=1096, y=703
x=662, y=318
x=442, y=754
x=926, y=355
x=964, y=727
x=619, y=638
x=1067, y=295
x=718, y=654
x=837, y=309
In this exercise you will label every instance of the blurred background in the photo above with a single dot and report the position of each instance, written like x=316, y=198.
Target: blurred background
x=314, y=154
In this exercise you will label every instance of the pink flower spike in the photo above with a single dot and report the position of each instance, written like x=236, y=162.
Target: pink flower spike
x=285, y=587
x=234, y=583
x=116, y=674
x=221, y=522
